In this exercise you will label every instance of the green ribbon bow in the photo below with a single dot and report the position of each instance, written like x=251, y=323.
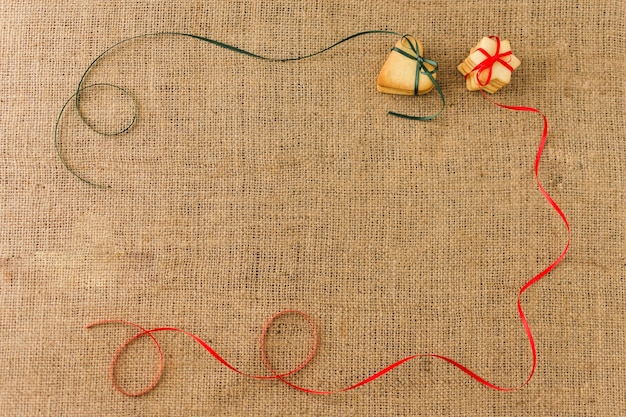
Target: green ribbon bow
x=420, y=69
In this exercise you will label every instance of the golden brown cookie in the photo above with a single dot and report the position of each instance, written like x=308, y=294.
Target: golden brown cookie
x=397, y=75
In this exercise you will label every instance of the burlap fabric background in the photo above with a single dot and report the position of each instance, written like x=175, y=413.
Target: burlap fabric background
x=247, y=187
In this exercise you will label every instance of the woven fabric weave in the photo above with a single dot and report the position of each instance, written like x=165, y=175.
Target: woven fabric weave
x=247, y=187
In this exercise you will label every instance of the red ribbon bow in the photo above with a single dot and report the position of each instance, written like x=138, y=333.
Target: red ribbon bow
x=488, y=63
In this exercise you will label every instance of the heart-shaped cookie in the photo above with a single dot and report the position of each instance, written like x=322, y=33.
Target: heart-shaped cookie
x=404, y=72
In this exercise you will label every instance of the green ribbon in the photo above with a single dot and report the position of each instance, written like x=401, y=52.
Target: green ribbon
x=420, y=62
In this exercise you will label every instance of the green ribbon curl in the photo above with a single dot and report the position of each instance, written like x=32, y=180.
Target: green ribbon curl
x=420, y=69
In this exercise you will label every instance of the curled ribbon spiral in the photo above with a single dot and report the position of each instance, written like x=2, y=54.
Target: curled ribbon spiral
x=150, y=333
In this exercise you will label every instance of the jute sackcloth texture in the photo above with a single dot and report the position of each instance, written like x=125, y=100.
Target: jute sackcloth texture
x=246, y=187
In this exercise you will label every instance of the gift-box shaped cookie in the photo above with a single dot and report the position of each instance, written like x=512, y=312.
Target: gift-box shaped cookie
x=489, y=65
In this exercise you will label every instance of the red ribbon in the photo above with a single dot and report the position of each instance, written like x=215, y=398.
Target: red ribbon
x=282, y=376
x=487, y=64
x=150, y=333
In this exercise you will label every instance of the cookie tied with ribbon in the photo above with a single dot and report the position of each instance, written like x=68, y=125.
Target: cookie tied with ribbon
x=406, y=72
x=489, y=65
